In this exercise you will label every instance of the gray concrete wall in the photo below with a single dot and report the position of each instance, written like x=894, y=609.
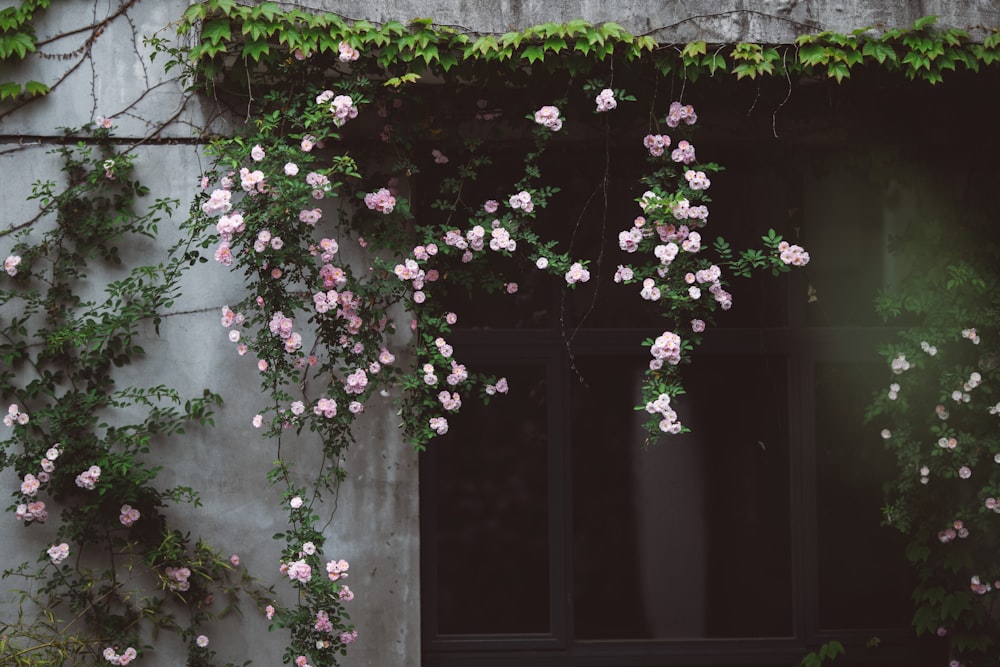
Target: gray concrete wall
x=375, y=518
x=672, y=21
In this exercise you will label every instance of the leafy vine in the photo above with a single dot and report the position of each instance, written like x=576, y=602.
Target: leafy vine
x=341, y=271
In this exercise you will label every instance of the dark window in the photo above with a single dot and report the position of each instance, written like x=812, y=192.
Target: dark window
x=551, y=536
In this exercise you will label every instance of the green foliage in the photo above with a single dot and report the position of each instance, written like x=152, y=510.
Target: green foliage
x=920, y=52
x=17, y=40
x=826, y=654
x=60, y=352
x=940, y=420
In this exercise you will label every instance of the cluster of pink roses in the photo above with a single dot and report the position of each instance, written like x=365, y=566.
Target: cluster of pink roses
x=115, y=659
x=347, y=53
x=793, y=254
x=656, y=143
x=128, y=515
x=666, y=347
x=341, y=106
x=33, y=511
x=58, y=552
x=381, y=200
x=439, y=425
x=88, y=478
x=177, y=578
x=15, y=416
x=661, y=406
x=548, y=116
x=605, y=100
x=281, y=326
x=678, y=113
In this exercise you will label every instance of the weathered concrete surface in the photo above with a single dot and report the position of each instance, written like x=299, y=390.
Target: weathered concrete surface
x=720, y=21
x=107, y=73
x=374, y=518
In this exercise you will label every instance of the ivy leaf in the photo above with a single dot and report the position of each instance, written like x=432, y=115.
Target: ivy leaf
x=255, y=49
x=430, y=53
x=612, y=29
x=555, y=44
x=255, y=30
x=813, y=54
x=917, y=61
x=483, y=45
x=880, y=51
x=35, y=88
x=645, y=43
x=216, y=31
x=267, y=9
x=693, y=49
x=447, y=60
x=20, y=43
x=924, y=22
x=397, y=81
x=10, y=90
x=393, y=28
x=745, y=69
x=533, y=53
x=511, y=39
x=225, y=6
x=838, y=71
x=714, y=62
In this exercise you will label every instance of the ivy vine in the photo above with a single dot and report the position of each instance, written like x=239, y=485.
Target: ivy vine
x=322, y=330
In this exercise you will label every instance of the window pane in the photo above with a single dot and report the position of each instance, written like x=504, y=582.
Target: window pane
x=864, y=579
x=848, y=241
x=690, y=537
x=492, y=512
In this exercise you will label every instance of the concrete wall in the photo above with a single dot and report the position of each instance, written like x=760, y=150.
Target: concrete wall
x=670, y=21
x=375, y=523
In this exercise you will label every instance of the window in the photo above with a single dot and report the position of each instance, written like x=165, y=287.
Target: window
x=550, y=536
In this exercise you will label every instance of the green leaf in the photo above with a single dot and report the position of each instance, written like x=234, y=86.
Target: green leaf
x=745, y=69
x=397, y=81
x=10, y=90
x=429, y=54
x=268, y=10
x=813, y=54
x=692, y=49
x=256, y=30
x=448, y=60
x=645, y=43
x=225, y=6
x=533, y=53
x=216, y=30
x=511, y=39
x=916, y=61
x=195, y=12
x=255, y=49
x=612, y=29
x=35, y=88
x=20, y=43
x=555, y=44
x=838, y=71
x=714, y=62
x=483, y=45
x=880, y=51
x=924, y=22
